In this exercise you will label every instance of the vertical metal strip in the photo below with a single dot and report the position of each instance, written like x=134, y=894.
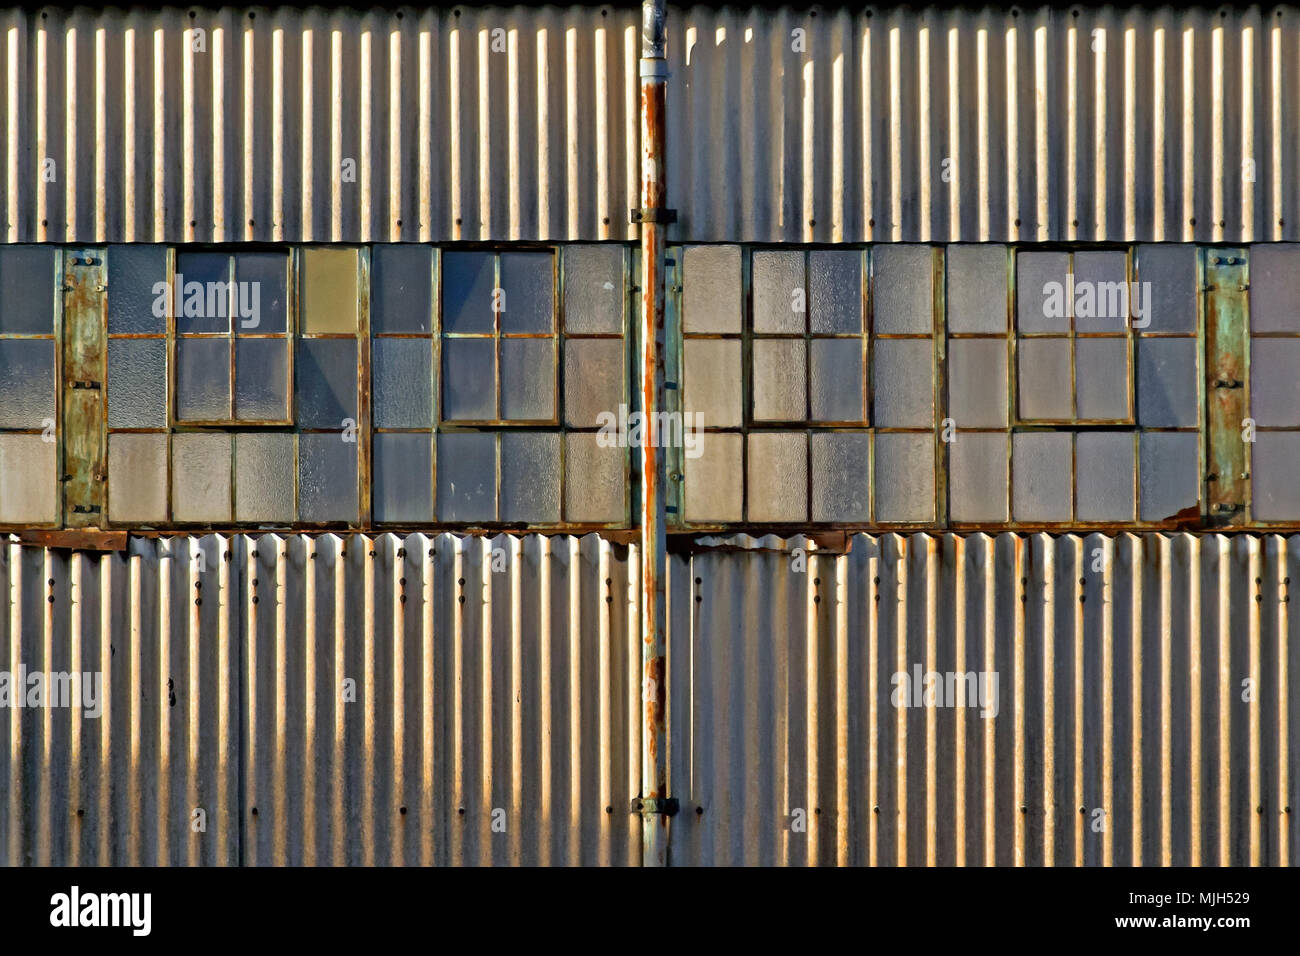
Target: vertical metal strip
x=654, y=757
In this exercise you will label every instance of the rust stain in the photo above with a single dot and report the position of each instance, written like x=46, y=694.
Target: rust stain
x=654, y=714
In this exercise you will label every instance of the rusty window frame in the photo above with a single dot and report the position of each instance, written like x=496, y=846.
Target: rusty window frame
x=232, y=336
x=807, y=427
x=1072, y=335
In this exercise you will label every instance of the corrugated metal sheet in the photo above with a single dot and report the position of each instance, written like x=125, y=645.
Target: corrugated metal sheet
x=1123, y=733
x=503, y=674
x=279, y=124
x=1025, y=124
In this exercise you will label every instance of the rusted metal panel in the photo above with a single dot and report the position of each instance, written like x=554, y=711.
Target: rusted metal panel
x=84, y=393
x=1227, y=335
x=1027, y=123
x=277, y=124
x=496, y=716
x=1145, y=707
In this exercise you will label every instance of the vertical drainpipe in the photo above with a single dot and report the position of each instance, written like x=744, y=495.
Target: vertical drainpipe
x=654, y=217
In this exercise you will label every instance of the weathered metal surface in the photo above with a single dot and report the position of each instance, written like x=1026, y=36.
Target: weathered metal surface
x=1031, y=123
x=84, y=400
x=275, y=124
x=653, y=523
x=1227, y=334
x=496, y=714
x=1143, y=679
x=1146, y=702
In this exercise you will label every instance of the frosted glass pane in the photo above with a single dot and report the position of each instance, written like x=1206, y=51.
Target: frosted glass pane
x=133, y=271
x=261, y=379
x=1101, y=378
x=594, y=295
x=837, y=389
x=1044, y=379
x=1172, y=302
x=835, y=293
x=1274, y=464
x=1104, y=461
x=203, y=283
x=137, y=478
x=711, y=380
x=203, y=379
x=1042, y=466
x=713, y=480
x=403, y=477
x=1166, y=376
x=327, y=478
x=1274, y=384
x=779, y=380
x=1101, y=301
x=401, y=296
x=595, y=480
x=27, y=290
x=325, y=378
x=1169, y=475
x=977, y=476
x=26, y=383
x=1275, y=287
x=977, y=382
x=840, y=476
x=467, y=489
x=329, y=291
x=903, y=370
x=778, y=476
x=904, y=289
x=264, y=477
x=29, y=491
x=593, y=379
x=201, y=477
x=137, y=383
x=977, y=288
x=528, y=281
x=468, y=279
x=779, y=286
x=468, y=379
x=403, y=382
x=528, y=379
x=530, y=477
x=1040, y=305
x=711, y=296
x=263, y=279
x=904, y=477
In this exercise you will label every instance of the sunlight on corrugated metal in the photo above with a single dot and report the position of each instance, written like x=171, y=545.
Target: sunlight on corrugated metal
x=503, y=674
x=1021, y=124
x=1144, y=706
x=278, y=124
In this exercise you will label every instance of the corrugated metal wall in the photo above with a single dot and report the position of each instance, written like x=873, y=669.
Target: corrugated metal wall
x=784, y=124
x=278, y=124
x=1122, y=733
x=1024, y=123
x=496, y=682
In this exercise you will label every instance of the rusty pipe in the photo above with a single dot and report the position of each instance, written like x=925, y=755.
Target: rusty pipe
x=654, y=570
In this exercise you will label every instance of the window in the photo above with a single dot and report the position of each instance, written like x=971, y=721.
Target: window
x=233, y=362
x=29, y=382
x=813, y=371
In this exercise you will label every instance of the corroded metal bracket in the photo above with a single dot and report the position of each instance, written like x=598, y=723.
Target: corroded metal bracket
x=663, y=806
x=83, y=415
x=655, y=214
x=1227, y=395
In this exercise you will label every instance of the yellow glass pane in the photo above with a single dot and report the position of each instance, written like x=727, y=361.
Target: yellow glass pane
x=329, y=291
